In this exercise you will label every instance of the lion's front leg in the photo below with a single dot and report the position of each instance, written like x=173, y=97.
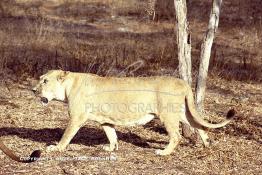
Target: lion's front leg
x=72, y=128
x=112, y=137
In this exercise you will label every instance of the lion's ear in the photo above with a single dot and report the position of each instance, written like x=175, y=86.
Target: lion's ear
x=62, y=76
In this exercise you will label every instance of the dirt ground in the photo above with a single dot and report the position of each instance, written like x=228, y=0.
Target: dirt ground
x=90, y=36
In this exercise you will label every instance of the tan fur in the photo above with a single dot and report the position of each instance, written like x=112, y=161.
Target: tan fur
x=123, y=101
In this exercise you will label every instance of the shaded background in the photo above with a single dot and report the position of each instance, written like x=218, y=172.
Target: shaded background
x=93, y=36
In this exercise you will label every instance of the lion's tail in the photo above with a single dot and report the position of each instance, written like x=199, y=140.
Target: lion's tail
x=198, y=119
x=33, y=157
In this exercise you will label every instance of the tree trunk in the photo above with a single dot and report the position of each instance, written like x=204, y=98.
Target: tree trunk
x=184, y=51
x=206, y=52
x=183, y=41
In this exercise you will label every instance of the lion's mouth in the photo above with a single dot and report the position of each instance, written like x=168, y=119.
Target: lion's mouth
x=44, y=100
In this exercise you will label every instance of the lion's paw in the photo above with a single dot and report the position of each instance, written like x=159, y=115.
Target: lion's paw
x=52, y=148
x=162, y=152
x=108, y=148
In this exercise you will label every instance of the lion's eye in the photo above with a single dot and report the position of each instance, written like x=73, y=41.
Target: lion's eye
x=45, y=81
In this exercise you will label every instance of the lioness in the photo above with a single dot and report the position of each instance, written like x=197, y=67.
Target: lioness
x=123, y=101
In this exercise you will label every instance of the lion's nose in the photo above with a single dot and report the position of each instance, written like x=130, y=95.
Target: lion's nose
x=44, y=100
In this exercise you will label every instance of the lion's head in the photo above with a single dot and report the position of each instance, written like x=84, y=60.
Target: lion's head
x=51, y=86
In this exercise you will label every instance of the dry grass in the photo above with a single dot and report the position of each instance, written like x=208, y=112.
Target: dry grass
x=75, y=35
x=115, y=38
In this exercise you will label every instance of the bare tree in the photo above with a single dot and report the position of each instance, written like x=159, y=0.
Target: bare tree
x=206, y=52
x=184, y=46
x=183, y=41
x=184, y=50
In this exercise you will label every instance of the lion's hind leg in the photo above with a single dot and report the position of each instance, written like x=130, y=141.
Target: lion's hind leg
x=112, y=137
x=204, y=137
x=172, y=126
